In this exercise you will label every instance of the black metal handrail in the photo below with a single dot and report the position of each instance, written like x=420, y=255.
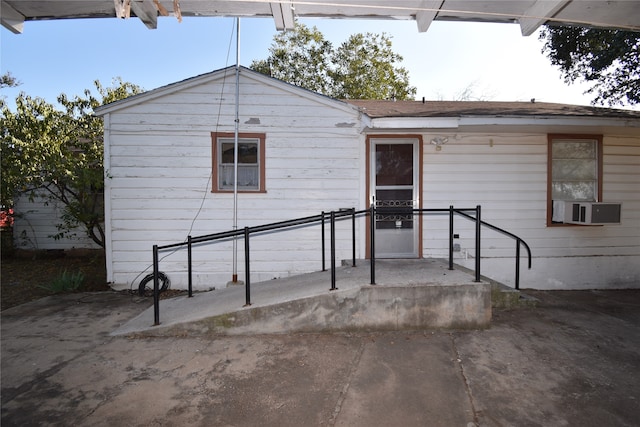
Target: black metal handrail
x=519, y=242
x=332, y=216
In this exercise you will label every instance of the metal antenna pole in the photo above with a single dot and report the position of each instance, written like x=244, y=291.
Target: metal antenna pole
x=235, y=156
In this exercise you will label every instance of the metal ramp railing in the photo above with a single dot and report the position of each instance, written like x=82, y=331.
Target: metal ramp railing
x=472, y=214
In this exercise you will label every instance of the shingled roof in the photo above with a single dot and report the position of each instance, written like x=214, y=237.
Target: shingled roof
x=380, y=109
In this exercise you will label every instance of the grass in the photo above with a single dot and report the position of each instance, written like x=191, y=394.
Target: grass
x=65, y=282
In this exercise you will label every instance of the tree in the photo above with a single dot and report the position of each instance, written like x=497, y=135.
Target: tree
x=610, y=59
x=57, y=154
x=301, y=57
x=468, y=93
x=8, y=80
x=363, y=67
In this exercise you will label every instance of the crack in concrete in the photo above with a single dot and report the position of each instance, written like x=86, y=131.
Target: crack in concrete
x=353, y=366
x=467, y=388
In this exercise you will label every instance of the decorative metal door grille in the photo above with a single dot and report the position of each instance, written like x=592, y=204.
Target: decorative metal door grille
x=396, y=213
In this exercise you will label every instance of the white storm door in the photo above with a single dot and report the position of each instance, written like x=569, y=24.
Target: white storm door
x=395, y=192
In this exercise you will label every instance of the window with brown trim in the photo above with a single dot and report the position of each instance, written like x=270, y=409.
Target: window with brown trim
x=250, y=162
x=574, y=172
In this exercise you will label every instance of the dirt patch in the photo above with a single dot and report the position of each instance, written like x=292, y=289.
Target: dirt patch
x=26, y=274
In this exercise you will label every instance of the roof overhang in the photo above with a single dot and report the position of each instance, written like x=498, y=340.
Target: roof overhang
x=550, y=124
x=530, y=14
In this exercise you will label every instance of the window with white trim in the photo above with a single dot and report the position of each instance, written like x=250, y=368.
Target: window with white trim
x=574, y=172
x=250, y=162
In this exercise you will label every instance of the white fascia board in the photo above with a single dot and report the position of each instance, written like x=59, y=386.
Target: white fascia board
x=400, y=123
x=415, y=123
x=11, y=19
x=550, y=121
x=299, y=91
x=228, y=72
x=366, y=122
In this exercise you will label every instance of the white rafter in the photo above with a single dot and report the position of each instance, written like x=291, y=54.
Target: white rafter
x=538, y=14
x=427, y=13
x=619, y=14
x=283, y=15
x=146, y=11
x=12, y=20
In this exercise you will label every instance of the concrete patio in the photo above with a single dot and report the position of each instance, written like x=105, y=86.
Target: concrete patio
x=574, y=360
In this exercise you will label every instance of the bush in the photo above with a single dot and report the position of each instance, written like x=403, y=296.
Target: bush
x=65, y=282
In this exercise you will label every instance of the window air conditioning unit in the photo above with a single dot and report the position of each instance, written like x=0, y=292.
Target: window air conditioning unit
x=592, y=213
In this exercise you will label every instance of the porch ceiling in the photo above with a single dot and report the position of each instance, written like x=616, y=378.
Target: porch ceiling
x=529, y=14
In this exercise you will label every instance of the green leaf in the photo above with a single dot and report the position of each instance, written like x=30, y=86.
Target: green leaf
x=57, y=155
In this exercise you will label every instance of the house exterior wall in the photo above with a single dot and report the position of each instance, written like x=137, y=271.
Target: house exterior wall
x=507, y=175
x=158, y=164
x=158, y=188
x=35, y=225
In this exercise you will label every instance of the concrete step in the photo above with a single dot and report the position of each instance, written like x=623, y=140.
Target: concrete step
x=408, y=294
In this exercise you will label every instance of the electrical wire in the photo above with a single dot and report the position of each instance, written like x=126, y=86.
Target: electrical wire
x=387, y=7
x=209, y=180
x=224, y=81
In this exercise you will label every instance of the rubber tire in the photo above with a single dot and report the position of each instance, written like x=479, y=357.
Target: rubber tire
x=146, y=285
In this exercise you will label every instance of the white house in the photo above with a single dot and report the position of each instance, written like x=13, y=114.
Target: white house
x=37, y=222
x=168, y=175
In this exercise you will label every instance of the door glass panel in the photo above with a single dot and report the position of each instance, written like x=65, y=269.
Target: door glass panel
x=394, y=164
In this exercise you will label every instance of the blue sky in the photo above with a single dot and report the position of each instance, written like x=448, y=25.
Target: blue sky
x=52, y=57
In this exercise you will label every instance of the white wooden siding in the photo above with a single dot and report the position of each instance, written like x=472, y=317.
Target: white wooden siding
x=506, y=175
x=35, y=224
x=158, y=160
x=159, y=181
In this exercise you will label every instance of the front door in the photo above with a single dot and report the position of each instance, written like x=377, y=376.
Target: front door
x=394, y=178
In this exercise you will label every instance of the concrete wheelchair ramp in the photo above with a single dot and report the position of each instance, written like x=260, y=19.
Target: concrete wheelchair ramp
x=408, y=294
